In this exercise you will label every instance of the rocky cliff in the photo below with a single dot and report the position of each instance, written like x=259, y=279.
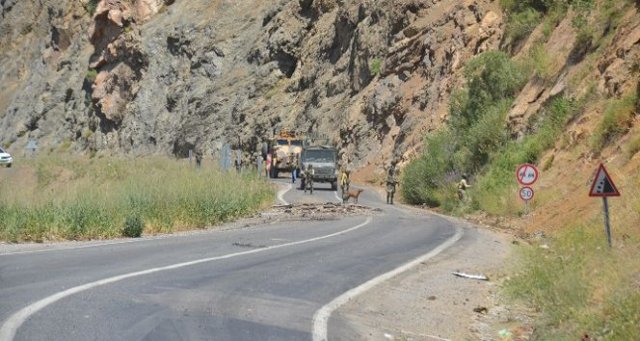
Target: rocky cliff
x=159, y=76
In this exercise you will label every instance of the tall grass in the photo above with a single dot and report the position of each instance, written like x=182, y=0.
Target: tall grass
x=75, y=199
x=580, y=286
x=616, y=121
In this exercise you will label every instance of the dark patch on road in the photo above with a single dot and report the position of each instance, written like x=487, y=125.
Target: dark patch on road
x=248, y=245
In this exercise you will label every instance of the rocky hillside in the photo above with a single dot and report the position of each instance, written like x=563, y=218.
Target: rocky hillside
x=162, y=77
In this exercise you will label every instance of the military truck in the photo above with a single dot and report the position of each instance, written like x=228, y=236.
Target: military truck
x=285, y=149
x=324, y=160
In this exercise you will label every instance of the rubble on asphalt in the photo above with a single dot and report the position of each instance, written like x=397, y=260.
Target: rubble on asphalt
x=317, y=211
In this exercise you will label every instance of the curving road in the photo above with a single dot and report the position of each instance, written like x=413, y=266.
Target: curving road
x=276, y=281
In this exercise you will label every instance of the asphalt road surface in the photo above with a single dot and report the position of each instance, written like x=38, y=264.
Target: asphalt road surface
x=275, y=281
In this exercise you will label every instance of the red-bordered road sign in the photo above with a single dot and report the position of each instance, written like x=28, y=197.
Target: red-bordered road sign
x=602, y=185
x=526, y=193
x=527, y=174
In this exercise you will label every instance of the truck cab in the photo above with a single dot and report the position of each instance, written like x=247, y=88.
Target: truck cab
x=324, y=160
x=285, y=149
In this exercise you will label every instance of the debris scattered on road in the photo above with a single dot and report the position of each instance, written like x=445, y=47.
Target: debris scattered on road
x=464, y=275
x=319, y=211
x=431, y=298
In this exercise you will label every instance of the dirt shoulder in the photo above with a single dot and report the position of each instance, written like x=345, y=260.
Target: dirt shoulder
x=430, y=303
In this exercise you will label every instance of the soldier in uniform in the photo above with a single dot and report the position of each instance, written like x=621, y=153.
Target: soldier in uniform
x=462, y=187
x=308, y=179
x=392, y=182
x=344, y=181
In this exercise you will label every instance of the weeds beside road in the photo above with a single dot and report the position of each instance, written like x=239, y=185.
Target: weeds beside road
x=78, y=199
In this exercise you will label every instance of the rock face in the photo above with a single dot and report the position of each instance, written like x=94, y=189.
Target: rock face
x=157, y=76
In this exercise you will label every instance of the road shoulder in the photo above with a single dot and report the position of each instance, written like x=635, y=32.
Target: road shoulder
x=429, y=302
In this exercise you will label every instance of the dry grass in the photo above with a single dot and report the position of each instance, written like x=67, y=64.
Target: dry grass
x=76, y=198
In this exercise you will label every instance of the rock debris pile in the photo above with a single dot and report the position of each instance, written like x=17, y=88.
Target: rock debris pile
x=318, y=211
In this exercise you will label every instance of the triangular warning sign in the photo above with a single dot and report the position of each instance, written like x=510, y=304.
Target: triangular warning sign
x=603, y=186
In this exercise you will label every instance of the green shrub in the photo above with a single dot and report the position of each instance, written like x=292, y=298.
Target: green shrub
x=423, y=176
x=492, y=77
x=133, y=226
x=375, y=66
x=521, y=24
x=491, y=193
x=616, y=121
x=91, y=75
x=476, y=129
x=487, y=135
x=540, y=62
x=92, y=5
x=556, y=13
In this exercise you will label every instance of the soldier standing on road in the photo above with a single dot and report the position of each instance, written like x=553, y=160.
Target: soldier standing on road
x=308, y=179
x=344, y=181
x=391, y=185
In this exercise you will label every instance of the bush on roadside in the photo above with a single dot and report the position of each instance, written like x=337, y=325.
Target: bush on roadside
x=475, y=130
x=133, y=226
x=492, y=190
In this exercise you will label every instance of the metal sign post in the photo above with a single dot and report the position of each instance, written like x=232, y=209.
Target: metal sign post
x=607, y=227
x=604, y=187
x=526, y=194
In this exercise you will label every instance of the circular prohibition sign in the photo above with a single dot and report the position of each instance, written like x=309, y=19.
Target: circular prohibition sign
x=527, y=174
x=526, y=193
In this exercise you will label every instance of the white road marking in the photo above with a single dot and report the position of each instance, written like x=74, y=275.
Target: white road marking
x=337, y=196
x=11, y=325
x=63, y=247
x=282, y=192
x=321, y=317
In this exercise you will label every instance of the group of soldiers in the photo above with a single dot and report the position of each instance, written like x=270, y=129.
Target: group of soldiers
x=391, y=181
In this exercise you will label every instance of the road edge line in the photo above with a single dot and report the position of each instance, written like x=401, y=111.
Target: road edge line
x=321, y=317
x=282, y=192
x=11, y=325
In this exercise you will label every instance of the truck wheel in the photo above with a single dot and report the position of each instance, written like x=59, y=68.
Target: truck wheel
x=334, y=185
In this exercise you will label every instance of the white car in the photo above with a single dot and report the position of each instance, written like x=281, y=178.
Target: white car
x=5, y=158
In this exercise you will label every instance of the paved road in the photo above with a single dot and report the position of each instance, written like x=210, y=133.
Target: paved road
x=265, y=282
